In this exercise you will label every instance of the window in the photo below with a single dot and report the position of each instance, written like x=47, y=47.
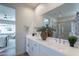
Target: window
x=46, y=22
x=7, y=28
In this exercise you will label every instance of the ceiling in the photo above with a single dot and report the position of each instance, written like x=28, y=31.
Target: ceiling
x=64, y=10
x=9, y=9
x=7, y=13
x=32, y=5
x=13, y=5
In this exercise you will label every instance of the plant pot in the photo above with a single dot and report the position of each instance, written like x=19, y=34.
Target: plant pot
x=72, y=45
x=44, y=35
x=72, y=40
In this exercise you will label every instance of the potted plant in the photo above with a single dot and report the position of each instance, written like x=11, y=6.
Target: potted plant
x=46, y=31
x=72, y=40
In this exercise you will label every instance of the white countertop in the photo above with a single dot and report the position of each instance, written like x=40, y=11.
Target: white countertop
x=52, y=44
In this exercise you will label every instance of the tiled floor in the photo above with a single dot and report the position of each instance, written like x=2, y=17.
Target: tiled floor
x=10, y=50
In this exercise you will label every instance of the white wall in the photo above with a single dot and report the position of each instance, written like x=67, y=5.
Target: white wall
x=24, y=17
x=28, y=17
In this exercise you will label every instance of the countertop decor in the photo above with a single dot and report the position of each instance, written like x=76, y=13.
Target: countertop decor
x=72, y=40
x=46, y=31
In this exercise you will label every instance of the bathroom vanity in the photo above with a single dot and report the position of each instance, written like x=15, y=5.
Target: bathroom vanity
x=35, y=46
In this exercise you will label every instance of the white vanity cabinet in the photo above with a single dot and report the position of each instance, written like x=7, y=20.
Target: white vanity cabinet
x=38, y=47
x=35, y=49
x=28, y=46
x=49, y=52
x=32, y=47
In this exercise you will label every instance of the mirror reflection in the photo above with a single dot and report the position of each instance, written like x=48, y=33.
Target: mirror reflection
x=64, y=19
x=46, y=21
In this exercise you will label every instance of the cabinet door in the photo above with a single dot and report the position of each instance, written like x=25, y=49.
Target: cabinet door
x=45, y=51
x=42, y=50
x=32, y=47
x=35, y=49
x=29, y=46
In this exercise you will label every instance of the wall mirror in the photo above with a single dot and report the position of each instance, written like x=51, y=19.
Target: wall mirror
x=64, y=19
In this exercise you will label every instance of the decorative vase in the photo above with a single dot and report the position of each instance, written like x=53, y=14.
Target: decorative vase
x=44, y=35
